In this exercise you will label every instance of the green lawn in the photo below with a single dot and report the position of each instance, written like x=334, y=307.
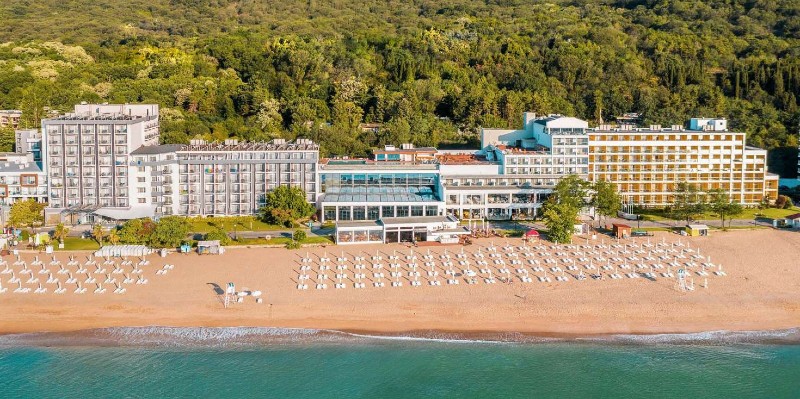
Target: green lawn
x=204, y=225
x=656, y=215
x=77, y=244
x=280, y=241
x=308, y=240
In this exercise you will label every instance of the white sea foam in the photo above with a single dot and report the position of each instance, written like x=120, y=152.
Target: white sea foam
x=158, y=336
x=791, y=335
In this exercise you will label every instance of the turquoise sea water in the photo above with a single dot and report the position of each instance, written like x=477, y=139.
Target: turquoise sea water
x=378, y=368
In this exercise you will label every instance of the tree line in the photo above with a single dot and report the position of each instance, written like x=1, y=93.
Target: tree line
x=431, y=72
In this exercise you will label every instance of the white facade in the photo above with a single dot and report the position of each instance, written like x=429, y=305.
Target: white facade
x=219, y=179
x=87, y=154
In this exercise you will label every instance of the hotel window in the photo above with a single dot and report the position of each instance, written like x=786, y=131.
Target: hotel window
x=373, y=213
x=387, y=211
x=359, y=213
x=417, y=210
x=344, y=213
x=142, y=200
x=402, y=211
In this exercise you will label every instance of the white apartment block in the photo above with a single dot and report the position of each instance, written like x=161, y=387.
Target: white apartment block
x=219, y=179
x=516, y=169
x=646, y=163
x=87, y=155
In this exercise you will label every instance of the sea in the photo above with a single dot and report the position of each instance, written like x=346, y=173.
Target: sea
x=162, y=362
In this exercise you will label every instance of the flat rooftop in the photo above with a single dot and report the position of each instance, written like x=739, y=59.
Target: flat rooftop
x=101, y=117
x=157, y=149
x=539, y=149
x=363, y=164
x=464, y=159
x=417, y=220
x=251, y=146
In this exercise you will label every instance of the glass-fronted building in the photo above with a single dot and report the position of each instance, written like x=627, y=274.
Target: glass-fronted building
x=365, y=190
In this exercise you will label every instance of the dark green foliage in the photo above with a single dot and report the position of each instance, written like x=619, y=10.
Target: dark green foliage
x=562, y=207
x=218, y=234
x=719, y=203
x=688, y=202
x=169, y=232
x=286, y=205
x=606, y=199
x=431, y=71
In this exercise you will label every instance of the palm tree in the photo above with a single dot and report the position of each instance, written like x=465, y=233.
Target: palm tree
x=60, y=232
x=113, y=237
x=98, y=233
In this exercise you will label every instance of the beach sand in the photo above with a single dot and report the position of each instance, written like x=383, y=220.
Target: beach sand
x=760, y=292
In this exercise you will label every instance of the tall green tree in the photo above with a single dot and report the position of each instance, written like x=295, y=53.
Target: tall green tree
x=560, y=220
x=688, y=202
x=719, y=203
x=7, y=139
x=562, y=207
x=170, y=232
x=606, y=200
x=99, y=233
x=27, y=213
x=285, y=205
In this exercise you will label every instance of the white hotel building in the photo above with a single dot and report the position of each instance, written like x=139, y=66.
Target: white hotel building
x=87, y=155
x=104, y=160
x=220, y=179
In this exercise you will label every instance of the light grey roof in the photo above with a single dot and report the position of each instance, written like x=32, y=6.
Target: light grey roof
x=697, y=226
x=416, y=219
x=364, y=224
x=126, y=213
x=11, y=167
x=157, y=149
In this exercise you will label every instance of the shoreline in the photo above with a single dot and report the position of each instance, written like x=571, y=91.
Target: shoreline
x=266, y=337
x=759, y=293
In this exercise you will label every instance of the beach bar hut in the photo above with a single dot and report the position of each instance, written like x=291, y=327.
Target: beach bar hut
x=209, y=247
x=696, y=230
x=621, y=230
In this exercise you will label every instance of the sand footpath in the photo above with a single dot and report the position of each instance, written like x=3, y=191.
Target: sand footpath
x=760, y=292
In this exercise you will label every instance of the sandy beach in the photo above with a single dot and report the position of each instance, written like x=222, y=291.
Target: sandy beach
x=761, y=291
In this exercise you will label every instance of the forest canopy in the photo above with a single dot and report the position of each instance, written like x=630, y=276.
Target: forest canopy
x=432, y=72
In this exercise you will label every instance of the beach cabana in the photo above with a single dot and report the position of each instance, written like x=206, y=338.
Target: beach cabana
x=621, y=230
x=209, y=247
x=123, y=250
x=696, y=230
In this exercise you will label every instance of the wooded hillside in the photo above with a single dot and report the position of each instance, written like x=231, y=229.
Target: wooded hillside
x=431, y=71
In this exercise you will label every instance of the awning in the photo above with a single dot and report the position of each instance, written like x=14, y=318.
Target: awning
x=126, y=213
x=531, y=233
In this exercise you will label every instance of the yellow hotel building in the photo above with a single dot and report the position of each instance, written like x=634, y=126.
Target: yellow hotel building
x=647, y=163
